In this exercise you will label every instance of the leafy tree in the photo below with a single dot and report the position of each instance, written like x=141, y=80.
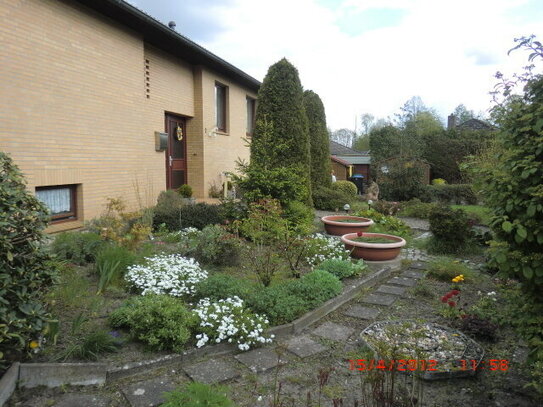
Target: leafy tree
x=343, y=136
x=25, y=266
x=367, y=121
x=318, y=140
x=281, y=136
x=362, y=143
x=385, y=143
x=463, y=114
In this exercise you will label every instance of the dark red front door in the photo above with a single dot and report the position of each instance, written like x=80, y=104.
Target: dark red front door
x=176, y=154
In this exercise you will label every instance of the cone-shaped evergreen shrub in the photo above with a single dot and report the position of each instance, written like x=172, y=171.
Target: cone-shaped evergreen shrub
x=318, y=140
x=281, y=138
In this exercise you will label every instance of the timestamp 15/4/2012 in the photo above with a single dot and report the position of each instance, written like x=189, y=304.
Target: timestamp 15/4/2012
x=411, y=365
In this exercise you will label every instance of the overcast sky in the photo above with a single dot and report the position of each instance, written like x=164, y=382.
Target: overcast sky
x=366, y=56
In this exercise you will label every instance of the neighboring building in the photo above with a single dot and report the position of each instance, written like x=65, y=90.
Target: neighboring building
x=471, y=124
x=86, y=84
x=347, y=162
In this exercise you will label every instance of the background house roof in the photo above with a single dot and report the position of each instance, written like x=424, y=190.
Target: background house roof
x=349, y=155
x=340, y=149
x=163, y=37
x=340, y=161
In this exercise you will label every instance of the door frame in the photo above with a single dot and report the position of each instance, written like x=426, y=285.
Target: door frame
x=183, y=119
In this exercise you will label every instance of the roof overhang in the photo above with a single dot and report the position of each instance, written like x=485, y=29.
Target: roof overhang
x=163, y=37
x=351, y=159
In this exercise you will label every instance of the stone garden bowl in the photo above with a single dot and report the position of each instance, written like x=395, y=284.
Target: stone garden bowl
x=339, y=225
x=374, y=251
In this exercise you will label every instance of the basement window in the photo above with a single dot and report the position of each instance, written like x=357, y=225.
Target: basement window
x=61, y=201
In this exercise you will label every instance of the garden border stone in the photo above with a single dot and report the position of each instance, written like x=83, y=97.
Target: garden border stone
x=58, y=374
x=8, y=383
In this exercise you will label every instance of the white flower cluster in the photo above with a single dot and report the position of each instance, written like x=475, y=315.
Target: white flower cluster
x=323, y=248
x=229, y=320
x=166, y=274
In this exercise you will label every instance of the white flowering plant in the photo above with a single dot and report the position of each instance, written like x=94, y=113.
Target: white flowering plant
x=321, y=248
x=229, y=320
x=166, y=274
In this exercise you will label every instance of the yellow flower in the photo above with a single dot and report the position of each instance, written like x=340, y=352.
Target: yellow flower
x=34, y=344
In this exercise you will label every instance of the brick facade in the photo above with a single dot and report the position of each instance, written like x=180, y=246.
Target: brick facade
x=75, y=108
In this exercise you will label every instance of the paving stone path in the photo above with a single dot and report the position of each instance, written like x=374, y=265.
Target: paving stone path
x=315, y=340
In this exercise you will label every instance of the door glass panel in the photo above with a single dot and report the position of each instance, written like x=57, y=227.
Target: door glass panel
x=178, y=140
x=178, y=178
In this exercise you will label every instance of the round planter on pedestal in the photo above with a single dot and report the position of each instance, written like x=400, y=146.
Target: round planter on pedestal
x=340, y=225
x=374, y=251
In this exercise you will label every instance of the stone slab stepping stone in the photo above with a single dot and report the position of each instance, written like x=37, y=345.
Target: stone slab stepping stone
x=260, y=360
x=332, y=331
x=359, y=311
x=419, y=265
x=303, y=346
x=82, y=400
x=211, y=371
x=403, y=281
x=148, y=393
x=379, y=299
x=413, y=274
x=389, y=289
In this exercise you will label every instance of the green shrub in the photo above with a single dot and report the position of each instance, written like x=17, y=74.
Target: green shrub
x=450, y=194
x=438, y=181
x=278, y=303
x=328, y=199
x=198, y=394
x=214, y=245
x=451, y=231
x=316, y=287
x=386, y=224
x=220, y=286
x=167, y=209
x=347, y=187
x=77, y=247
x=26, y=270
x=299, y=217
x=185, y=191
x=160, y=321
x=342, y=268
x=445, y=269
x=200, y=215
x=415, y=208
x=233, y=209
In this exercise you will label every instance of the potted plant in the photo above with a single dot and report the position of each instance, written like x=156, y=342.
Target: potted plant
x=340, y=225
x=373, y=246
x=186, y=192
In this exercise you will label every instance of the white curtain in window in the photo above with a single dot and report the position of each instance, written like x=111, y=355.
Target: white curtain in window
x=57, y=200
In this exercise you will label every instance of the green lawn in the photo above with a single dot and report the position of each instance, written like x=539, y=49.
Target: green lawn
x=482, y=211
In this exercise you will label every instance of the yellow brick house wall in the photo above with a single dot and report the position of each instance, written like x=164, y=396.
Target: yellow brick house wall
x=74, y=107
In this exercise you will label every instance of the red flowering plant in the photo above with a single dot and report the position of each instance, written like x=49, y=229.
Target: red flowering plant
x=451, y=300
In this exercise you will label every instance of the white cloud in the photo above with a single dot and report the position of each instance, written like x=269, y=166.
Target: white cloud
x=444, y=51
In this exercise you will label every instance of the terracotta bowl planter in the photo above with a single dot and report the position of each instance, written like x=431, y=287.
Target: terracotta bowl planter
x=374, y=251
x=334, y=226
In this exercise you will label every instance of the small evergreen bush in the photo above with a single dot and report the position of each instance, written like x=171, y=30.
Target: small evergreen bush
x=167, y=209
x=415, y=208
x=185, y=191
x=329, y=199
x=347, y=187
x=200, y=215
x=214, y=245
x=342, y=268
x=77, y=247
x=451, y=231
x=278, y=303
x=160, y=321
x=299, y=216
x=316, y=287
x=220, y=286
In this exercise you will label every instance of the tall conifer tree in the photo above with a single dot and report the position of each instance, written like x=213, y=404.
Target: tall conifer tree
x=318, y=140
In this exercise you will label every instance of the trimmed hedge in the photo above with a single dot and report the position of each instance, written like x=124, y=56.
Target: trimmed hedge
x=329, y=199
x=347, y=187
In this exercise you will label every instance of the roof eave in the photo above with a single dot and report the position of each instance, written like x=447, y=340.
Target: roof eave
x=163, y=37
